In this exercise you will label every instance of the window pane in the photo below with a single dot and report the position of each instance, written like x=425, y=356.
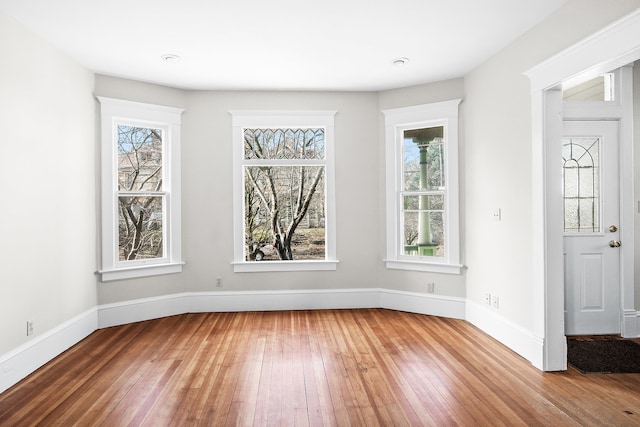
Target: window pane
x=284, y=144
x=599, y=88
x=424, y=202
x=581, y=184
x=423, y=229
x=139, y=158
x=423, y=159
x=423, y=233
x=571, y=223
x=284, y=213
x=140, y=227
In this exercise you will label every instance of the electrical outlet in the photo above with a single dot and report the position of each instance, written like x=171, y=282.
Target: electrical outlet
x=219, y=282
x=29, y=327
x=431, y=287
x=487, y=298
x=495, y=301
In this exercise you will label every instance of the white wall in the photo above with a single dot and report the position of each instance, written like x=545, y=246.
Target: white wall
x=498, y=150
x=207, y=197
x=208, y=179
x=207, y=191
x=48, y=186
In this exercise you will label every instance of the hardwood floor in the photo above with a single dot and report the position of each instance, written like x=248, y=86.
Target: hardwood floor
x=319, y=368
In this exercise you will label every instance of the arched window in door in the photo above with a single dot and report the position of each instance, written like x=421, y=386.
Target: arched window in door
x=581, y=185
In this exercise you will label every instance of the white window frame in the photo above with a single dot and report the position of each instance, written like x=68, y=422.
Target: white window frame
x=242, y=119
x=396, y=121
x=113, y=113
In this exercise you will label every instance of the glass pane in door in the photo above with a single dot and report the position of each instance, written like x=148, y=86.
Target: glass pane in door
x=581, y=185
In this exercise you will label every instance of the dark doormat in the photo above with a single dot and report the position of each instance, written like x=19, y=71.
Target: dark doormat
x=604, y=356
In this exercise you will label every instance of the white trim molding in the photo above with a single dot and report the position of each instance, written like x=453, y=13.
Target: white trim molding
x=315, y=299
x=282, y=119
x=398, y=120
x=630, y=324
x=25, y=359
x=614, y=46
x=114, y=112
x=429, y=304
x=517, y=338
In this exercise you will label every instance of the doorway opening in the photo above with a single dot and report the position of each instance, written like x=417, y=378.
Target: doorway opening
x=610, y=48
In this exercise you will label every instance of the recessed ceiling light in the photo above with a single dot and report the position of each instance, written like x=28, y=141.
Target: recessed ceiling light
x=171, y=58
x=400, y=62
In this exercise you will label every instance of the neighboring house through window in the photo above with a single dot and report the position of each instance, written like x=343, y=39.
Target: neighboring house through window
x=140, y=189
x=422, y=187
x=284, y=214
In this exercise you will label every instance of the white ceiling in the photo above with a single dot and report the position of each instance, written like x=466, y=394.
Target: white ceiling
x=281, y=44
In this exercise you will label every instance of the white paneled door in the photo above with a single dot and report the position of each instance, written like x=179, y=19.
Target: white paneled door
x=591, y=208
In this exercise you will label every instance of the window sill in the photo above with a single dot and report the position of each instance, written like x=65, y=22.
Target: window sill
x=432, y=267
x=264, y=266
x=140, y=271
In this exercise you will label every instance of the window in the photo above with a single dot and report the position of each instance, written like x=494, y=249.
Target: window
x=600, y=88
x=140, y=189
x=581, y=185
x=422, y=187
x=284, y=215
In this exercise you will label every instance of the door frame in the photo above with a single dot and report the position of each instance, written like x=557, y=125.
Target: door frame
x=613, y=47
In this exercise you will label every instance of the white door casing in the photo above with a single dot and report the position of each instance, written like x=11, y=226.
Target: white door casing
x=614, y=46
x=591, y=228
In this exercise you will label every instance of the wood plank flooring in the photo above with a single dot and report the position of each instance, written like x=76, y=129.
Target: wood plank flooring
x=309, y=368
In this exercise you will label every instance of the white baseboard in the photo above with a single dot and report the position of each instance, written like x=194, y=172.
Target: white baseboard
x=630, y=324
x=314, y=299
x=25, y=359
x=225, y=301
x=508, y=333
x=415, y=302
x=138, y=310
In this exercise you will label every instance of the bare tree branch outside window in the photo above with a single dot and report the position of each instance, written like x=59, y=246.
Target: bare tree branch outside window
x=284, y=199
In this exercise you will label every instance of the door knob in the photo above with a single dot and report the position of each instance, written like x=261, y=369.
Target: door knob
x=613, y=228
x=614, y=243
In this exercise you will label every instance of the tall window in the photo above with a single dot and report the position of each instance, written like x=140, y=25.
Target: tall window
x=422, y=187
x=140, y=189
x=283, y=166
x=141, y=194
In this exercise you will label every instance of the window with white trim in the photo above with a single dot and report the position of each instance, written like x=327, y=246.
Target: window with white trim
x=422, y=187
x=284, y=210
x=140, y=189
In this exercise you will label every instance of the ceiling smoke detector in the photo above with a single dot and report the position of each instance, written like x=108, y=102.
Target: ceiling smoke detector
x=400, y=62
x=171, y=58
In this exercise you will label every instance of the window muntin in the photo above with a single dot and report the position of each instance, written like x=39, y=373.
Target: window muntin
x=581, y=185
x=140, y=189
x=283, y=179
x=422, y=187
